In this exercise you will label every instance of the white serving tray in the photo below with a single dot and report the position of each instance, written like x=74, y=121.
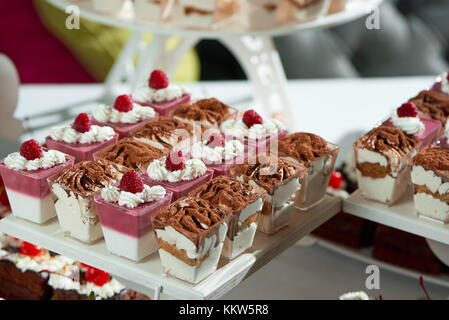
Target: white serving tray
x=402, y=215
x=147, y=276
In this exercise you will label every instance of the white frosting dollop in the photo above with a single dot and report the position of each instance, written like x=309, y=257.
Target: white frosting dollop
x=231, y=150
x=70, y=135
x=49, y=159
x=410, y=125
x=147, y=94
x=104, y=113
x=193, y=168
x=239, y=129
x=132, y=200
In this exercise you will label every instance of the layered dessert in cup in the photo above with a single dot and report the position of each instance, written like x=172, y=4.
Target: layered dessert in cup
x=442, y=83
x=318, y=157
x=133, y=154
x=190, y=234
x=280, y=178
x=25, y=176
x=81, y=139
x=430, y=177
x=125, y=210
x=166, y=133
x=123, y=116
x=383, y=158
x=254, y=130
x=74, y=190
x=153, y=10
x=162, y=96
x=245, y=203
x=219, y=154
x=424, y=131
x=299, y=11
x=206, y=113
x=432, y=105
x=177, y=174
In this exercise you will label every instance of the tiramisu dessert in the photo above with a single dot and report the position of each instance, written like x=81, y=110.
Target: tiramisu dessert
x=383, y=158
x=430, y=177
x=262, y=14
x=162, y=96
x=206, y=113
x=124, y=116
x=153, y=10
x=219, y=154
x=253, y=130
x=318, y=157
x=131, y=153
x=177, y=175
x=125, y=210
x=25, y=176
x=280, y=178
x=424, y=131
x=245, y=203
x=442, y=83
x=190, y=234
x=302, y=10
x=74, y=189
x=81, y=139
x=165, y=133
x=432, y=105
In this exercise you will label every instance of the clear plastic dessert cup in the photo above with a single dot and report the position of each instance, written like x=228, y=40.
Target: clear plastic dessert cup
x=316, y=179
x=224, y=168
x=165, y=108
x=81, y=151
x=77, y=214
x=28, y=191
x=182, y=188
x=128, y=232
x=123, y=129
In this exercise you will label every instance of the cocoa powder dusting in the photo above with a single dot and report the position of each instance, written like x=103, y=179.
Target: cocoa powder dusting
x=433, y=158
x=161, y=128
x=432, y=104
x=211, y=110
x=386, y=139
x=303, y=147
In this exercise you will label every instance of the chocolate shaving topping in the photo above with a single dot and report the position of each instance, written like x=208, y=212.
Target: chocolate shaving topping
x=385, y=139
x=303, y=147
x=192, y=217
x=433, y=104
x=89, y=177
x=211, y=110
x=227, y=192
x=433, y=158
x=132, y=153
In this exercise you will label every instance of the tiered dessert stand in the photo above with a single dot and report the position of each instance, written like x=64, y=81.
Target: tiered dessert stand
x=260, y=60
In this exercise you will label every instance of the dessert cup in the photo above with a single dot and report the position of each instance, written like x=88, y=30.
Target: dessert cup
x=75, y=206
x=262, y=144
x=190, y=251
x=181, y=188
x=128, y=232
x=432, y=105
x=123, y=129
x=244, y=202
x=81, y=151
x=165, y=108
x=28, y=191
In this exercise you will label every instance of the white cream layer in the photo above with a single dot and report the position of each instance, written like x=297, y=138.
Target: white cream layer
x=30, y=208
x=147, y=94
x=428, y=178
x=49, y=159
x=104, y=113
x=193, y=169
x=70, y=135
x=429, y=206
x=242, y=241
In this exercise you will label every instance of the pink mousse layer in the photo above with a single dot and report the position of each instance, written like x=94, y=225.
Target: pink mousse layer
x=165, y=108
x=31, y=183
x=135, y=222
x=182, y=188
x=123, y=129
x=81, y=151
x=431, y=132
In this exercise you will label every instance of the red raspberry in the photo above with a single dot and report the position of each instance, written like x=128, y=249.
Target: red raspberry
x=158, y=80
x=4, y=199
x=447, y=76
x=81, y=123
x=335, y=180
x=97, y=276
x=123, y=103
x=131, y=182
x=31, y=150
x=174, y=161
x=251, y=118
x=407, y=109
x=216, y=139
x=29, y=249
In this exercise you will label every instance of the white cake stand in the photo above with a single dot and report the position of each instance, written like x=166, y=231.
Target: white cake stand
x=254, y=50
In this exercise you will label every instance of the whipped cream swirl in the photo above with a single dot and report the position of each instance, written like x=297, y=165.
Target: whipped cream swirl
x=70, y=135
x=410, y=125
x=231, y=150
x=104, y=113
x=132, y=200
x=147, y=94
x=238, y=129
x=49, y=159
x=193, y=169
